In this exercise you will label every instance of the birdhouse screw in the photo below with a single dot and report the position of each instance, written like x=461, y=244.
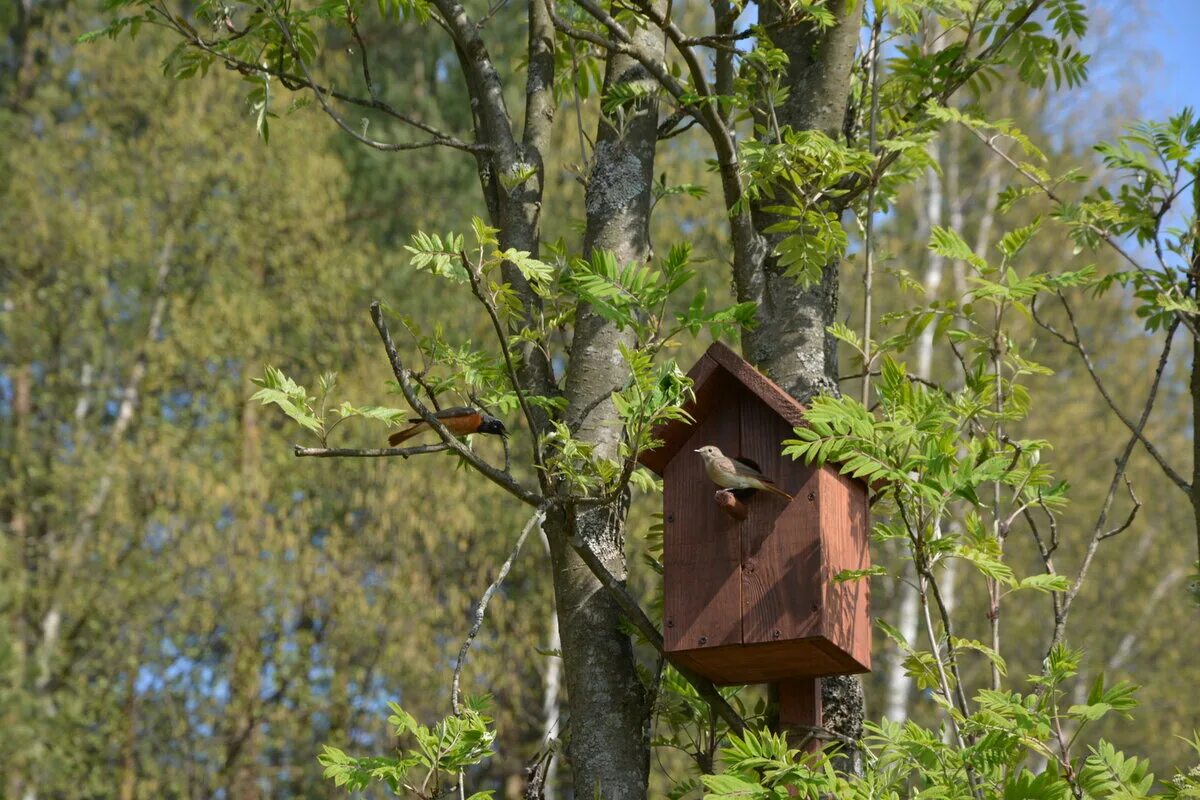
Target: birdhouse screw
x=776, y=634
x=670, y=623
x=703, y=640
x=670, y=517
x=812, y=496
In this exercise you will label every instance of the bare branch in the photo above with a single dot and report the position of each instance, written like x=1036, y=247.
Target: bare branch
x=1124, y=526
x=341, y=123
x=481, y=608
x=377, y=452
x=1101, y=530
x=295, y=82
x=478, y=290
x=1076, y=344
x=352, y=21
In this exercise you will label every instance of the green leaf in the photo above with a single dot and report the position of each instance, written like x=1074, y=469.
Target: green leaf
x=1045, y=583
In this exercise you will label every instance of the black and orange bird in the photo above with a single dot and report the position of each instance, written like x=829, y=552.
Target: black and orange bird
x=460, y=420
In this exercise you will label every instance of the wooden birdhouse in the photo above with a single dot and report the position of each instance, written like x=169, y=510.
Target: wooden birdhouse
x=753, y=600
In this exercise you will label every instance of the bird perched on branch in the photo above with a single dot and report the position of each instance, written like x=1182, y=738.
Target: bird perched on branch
x=460, y=420
x=736, y=474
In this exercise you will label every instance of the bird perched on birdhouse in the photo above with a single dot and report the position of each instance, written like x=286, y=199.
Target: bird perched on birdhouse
x=737, y=474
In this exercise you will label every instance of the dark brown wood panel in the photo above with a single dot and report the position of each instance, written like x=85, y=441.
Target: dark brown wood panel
x=781, y=558
x=701, y=549
x=845, y=530
x=769, y=662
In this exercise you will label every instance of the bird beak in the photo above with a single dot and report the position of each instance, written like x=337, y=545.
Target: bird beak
x=695, y=451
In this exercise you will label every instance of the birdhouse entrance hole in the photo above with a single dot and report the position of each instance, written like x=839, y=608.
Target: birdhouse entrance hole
x=751, y=598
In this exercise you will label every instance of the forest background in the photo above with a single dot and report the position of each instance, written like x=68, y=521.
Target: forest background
x=186, y=609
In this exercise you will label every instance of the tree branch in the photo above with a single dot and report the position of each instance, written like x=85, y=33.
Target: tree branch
x=295, y=82
x=1076, y=344
x=510, y=367
x=990, y=143
x=481, y=608
x=633, y=612
x=341, y=123
x=496, y=476
x=377, y=452
x=1101, y=531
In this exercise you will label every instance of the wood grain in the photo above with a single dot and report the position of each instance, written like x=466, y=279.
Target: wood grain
x=845, y=532
x=753, y=600
x=781, y=541
x=800, y=708
x=701, y=548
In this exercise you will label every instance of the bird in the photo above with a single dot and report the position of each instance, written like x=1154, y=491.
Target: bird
x=735, y=474
x=460, y=420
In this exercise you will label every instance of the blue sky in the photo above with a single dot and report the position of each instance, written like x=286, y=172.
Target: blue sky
x=1172, y=29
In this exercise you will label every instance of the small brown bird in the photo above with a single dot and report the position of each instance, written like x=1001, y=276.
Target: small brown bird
x=460, y=420
x=734, y=474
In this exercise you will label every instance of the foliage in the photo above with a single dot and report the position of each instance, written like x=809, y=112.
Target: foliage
x=282, y=651
x=433, y=767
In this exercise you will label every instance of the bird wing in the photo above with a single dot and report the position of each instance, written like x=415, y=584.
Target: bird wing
x=449, y=413
x=746, y=471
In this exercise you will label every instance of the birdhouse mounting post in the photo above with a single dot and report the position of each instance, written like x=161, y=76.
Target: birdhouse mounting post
x=799, y=703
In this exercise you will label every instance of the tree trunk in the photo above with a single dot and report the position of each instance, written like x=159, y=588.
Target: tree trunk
x=609, y=733
x=790, y=342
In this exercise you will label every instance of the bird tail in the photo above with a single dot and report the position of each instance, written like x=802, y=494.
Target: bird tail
x=401, y=436
x=773, y=489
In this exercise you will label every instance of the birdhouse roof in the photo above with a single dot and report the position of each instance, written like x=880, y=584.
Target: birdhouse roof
x=711, y=377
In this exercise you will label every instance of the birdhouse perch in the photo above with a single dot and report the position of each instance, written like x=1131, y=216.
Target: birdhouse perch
x=748, y=588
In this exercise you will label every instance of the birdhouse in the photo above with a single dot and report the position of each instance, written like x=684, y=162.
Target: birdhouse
x=748, y=588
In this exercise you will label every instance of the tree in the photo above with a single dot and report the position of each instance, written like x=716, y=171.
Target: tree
x=785, y=120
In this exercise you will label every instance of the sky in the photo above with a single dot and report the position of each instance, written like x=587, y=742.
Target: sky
x=1173, y=30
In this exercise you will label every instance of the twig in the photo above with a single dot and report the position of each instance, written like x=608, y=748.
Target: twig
x=352, y=21
x=294, y=82
x=481, y=608
x=502, y=337
x=341, y=123
x=869, y=243
x=1124, y=526
x=944, y=94
x=1104, y=235
x=1076, y=344
x=377, y=452
x=1100, y=530
x=496, y=476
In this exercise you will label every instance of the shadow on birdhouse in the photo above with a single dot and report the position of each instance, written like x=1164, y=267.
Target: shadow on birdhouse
x=748, y=589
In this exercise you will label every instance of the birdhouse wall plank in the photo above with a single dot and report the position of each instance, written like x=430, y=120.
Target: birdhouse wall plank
x=781, y=541
x=702, y=595
x=845, y=523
